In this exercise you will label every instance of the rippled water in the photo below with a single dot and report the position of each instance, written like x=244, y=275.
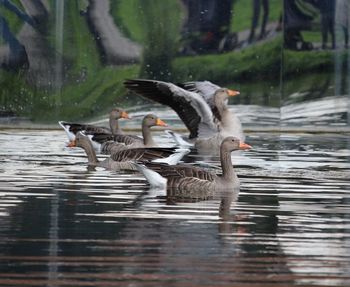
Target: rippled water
x=62, y=224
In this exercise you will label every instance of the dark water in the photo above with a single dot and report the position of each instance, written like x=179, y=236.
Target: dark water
x=63, y=225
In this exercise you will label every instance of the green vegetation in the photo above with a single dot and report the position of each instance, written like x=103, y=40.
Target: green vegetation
x=136, y=18
x=312, y=36
x=91, y=97
x=15, y=94
x=90, y=88
x=79, y=44
x=124, y=13
x=80, y=101
x=249, y=64
x=14, y=22
x=243, y=13
x=157, y=58
x=300, y=62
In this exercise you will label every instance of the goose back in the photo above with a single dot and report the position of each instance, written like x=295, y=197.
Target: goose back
x=142, y=154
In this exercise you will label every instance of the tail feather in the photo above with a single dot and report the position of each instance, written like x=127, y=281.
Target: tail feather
x=174, y=158
x=153, y=178
x=178, y=139
x=65, y=126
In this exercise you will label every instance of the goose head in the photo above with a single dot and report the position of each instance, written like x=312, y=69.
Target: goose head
x=152, y=120
x=221, y=97
x=114, y=116
x=85, y=141
x=231, y=143
x=118, y=113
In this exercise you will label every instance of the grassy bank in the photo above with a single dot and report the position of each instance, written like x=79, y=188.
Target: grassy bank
x=102, y=87
x=252, y=64
x=243, y=13
x=304, y=62
x=90, y=88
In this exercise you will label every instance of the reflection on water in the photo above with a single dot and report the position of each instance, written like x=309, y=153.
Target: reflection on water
x=326, y=112
x=61, y=224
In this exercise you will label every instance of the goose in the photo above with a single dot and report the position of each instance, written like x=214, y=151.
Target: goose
x=202, y=106
x=107, y=143
x=187, y=181
x=123, y=159
x=72, y=129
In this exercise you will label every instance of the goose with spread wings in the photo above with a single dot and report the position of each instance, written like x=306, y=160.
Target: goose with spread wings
x=202, y=106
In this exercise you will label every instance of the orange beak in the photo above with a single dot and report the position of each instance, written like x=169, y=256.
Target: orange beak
x=232, y=93
x=124, y=115
x=72, y=143
x=243, y=145
x=159, y=122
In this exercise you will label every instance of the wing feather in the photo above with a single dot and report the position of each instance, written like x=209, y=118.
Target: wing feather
x=90, y=129
x=190, y=106
x=142, y=154
x=182, y=171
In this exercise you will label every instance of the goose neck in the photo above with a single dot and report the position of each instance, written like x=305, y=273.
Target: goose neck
x=226, y=164
x=90, y=152
x=147, y=136
x=114, y=125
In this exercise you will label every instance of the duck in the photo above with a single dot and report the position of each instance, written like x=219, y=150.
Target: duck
x=187, y=181
x=72, y=129
x=201, y=105
x=107, y=143
x=124, y=159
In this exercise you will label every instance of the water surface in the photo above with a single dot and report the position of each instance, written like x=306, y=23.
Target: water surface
x=63, y=224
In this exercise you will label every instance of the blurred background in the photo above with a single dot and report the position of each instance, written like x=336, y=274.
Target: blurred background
x=67, y=60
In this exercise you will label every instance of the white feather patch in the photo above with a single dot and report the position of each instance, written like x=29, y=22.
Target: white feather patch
x=174, y=158
x=154, y=178
x=178, y=139
x=95, y=144
x=70, y=135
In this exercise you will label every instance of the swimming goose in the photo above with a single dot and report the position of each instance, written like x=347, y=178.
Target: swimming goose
x=123, y=160
x=72, y=129
x=187, y=181
x=202, y=106
x=107, y=143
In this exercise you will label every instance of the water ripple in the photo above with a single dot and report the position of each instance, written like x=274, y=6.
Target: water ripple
x=63, y=224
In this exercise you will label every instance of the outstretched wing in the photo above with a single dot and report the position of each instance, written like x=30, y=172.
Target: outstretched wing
x=207, y=90
x=190, y=106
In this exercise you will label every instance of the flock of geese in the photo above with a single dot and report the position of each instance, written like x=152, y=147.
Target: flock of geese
x=202, y=106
